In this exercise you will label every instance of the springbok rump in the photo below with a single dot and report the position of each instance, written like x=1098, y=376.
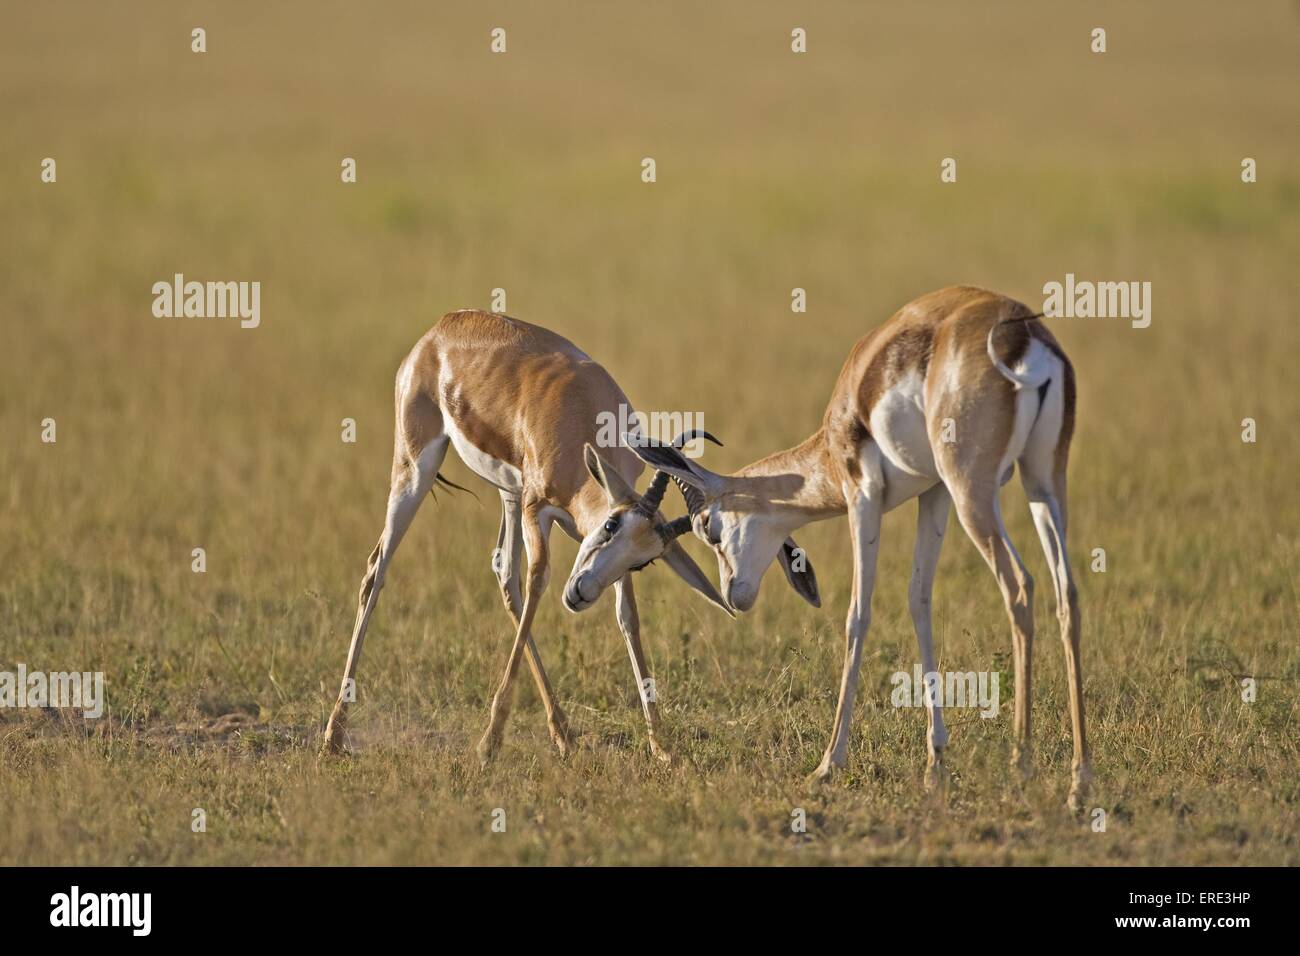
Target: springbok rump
x=939, y=403
x=520, y=404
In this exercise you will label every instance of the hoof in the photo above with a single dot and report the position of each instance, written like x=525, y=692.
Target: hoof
x=660, y=754
x=332, y=744
x=1022, y=765
x=563, y=741
x=487, y=750
x=821, y=776
x=936, y=778
x=1080, y=784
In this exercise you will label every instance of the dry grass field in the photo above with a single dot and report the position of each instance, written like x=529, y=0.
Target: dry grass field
x=522, y=171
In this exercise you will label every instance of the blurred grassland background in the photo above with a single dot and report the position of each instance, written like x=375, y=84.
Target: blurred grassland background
x=522, y=171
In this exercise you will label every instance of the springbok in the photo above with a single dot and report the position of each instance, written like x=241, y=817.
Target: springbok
x=520, y=405
x=939, y=402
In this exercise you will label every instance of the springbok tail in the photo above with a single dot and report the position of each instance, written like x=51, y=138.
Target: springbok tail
x=447, y=483
x=1031, y=366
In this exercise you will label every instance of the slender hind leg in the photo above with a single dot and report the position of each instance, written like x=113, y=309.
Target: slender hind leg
x=992, y=425
x=510, y=541
x=1046, y=492
x=412, y=479
x=629, y=622
x=931, y=522
x=981, y=516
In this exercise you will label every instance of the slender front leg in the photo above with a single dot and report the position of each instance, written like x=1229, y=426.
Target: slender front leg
x=506, y=558
x=864, y=525
x=629, y=622
x=536, y=533
x=931, y=522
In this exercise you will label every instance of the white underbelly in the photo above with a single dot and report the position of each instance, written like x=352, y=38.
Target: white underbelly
x=902, y=486
x=898, y=428
x=502, y=474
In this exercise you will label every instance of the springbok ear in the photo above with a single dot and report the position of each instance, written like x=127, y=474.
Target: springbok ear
x=684, y=567
x=616, y=487
x=669, y=460
x=799, y=572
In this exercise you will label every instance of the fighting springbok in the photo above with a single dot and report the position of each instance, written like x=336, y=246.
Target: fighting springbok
x=939, y=402
x=520, y=404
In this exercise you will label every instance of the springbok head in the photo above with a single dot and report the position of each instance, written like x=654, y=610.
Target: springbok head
x=632, y=535
x=733, y=515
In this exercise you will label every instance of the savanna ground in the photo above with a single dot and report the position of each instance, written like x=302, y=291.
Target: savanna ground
x=522, y=171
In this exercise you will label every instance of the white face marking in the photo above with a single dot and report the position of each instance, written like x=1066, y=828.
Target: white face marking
x=603, y=558
x=747, y=544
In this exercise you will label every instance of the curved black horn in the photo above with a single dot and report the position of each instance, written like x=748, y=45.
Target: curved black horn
x=671, y=530
x=680, y=441
x=693, y=497
x=654, y=495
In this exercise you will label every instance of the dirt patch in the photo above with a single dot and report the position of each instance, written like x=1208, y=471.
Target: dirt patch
x=239, y=731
